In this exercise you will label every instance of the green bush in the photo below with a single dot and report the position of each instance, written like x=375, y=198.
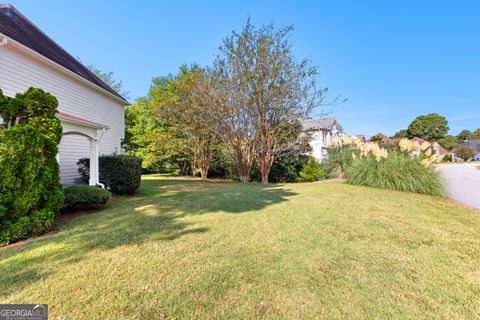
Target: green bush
x=312, y=171
x=286, y=167
x=85, y=195
x=30, y=190
x=121, y=174
x=339, y=159
x=397, y=172
x=465, y=153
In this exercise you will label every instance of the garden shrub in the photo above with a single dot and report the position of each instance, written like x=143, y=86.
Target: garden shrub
x=339, y=158
x=286, y=167
x=121, y=174
x=396, y=172
x=312, y=171
x=30, y=190
x=85, y=195
x=465, y=153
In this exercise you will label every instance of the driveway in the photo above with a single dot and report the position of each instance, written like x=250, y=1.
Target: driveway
x=463, y=183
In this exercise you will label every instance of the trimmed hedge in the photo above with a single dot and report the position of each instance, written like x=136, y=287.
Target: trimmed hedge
x=85, y=195
x=121, y=174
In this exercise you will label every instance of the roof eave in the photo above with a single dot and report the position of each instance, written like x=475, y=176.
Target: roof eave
x=24, y=48
x=78, y=120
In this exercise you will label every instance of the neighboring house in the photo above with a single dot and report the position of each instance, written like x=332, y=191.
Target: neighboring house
x=380, y=137
x=473, y=144
x=91, y=113
x=322, y=130
x=436, y=148
x=361, y=137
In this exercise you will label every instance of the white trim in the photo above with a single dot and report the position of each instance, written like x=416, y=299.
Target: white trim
x=58, y=67
x=82, y=122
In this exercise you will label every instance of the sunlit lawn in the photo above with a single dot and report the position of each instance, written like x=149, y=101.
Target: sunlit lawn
x=192, y=249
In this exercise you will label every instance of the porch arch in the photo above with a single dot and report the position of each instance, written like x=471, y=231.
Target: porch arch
x=93, y=132
x=78, y=133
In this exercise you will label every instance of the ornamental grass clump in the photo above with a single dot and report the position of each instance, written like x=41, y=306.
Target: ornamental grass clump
x=407, y=169
x=396, y=172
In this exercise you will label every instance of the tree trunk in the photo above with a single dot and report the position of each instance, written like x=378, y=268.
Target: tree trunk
x=265, y=178
x=244, y=172
x=183, y=168
x=204, y=172
x=265, y=165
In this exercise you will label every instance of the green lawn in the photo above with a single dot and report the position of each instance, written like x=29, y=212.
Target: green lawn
x=192, y=249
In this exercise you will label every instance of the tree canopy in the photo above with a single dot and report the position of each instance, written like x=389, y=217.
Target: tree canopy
x=449, y=142
x=263, y=93
x=109, y=79
x=249, y=105
x=401, y=134
x=431, y=127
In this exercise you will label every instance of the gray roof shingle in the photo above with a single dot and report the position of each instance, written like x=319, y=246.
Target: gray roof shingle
x=319, y=124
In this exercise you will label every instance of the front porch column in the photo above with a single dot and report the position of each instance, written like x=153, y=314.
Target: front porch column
x=93, y=162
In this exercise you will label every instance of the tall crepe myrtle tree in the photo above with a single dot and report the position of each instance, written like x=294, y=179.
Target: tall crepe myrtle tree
x=266, y=92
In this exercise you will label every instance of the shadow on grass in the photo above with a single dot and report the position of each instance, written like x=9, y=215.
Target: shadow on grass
x=153, y=215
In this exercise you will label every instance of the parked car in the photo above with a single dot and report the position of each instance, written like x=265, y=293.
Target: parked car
x=476, y=157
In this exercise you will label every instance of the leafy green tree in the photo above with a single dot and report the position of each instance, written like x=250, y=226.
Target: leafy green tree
x=475, y=135
x=151, y=137
x=172, y=124
x=401, y=134
x=183, y=110
x=448, y=142
x=430, y=127
x=464, y=135
x=109, y=79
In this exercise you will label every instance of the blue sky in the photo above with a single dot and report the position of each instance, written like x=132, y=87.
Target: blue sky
x=393, y=60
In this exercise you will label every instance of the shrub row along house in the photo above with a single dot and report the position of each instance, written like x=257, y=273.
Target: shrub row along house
x=91, y=113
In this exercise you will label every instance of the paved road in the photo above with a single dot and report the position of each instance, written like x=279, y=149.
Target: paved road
x=463, y=181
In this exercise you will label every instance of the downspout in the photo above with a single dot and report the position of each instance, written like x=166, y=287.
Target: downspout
x=97, y=178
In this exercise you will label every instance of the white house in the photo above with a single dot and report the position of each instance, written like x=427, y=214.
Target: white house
x=91, y=113
x=322, y=130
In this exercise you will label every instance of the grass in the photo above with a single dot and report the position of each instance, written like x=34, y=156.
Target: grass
x=193, y=249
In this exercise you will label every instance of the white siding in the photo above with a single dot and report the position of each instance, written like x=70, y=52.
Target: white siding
x=19, y=71
x=319, y=142
x=72, y=148
x=317, y=145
